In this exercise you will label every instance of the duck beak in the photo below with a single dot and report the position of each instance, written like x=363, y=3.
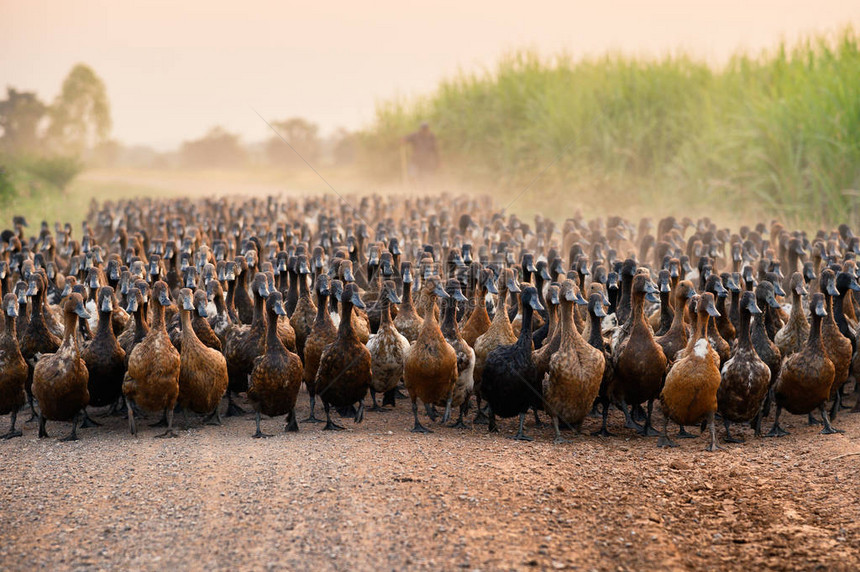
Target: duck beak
x=164, y=299
x=81, y=311
x=132, y=305
x=544, y=274
x=304, y=268
x=854, y=286
x=32, y=290
x=712, y=310
x=831, y=289
x=599, y=311
x=664, y=288
x=439, y=291
x=673, y=272
x=458, y=296
x=721, y=291
x=580, y=300
x=201, y=310
x=777, y=289
x=392, y=297
x=347, y=275
x=771, y=301
x=279, y=309
x=12, y=310
x=491, y=286
x=512, y=286
x=801, y=290
x=356, y=301
x=263, y=290
x=67, y=289
x=553, y=297
x=535, y=304
x=187, y=304
x=819, y=309
x=407, y=277
x=571, y=295
x=107, y=304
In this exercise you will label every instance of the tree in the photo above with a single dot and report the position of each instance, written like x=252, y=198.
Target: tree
x=218, y=148
x=20, y=115
x=80, y=115
x=302, y=135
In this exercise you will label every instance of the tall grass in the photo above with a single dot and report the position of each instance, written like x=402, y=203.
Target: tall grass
x=776, y=134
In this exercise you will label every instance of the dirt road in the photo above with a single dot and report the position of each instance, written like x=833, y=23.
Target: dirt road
x=377, y=497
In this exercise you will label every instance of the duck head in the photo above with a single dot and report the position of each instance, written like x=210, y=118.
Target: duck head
x=663, y=282
x=275, y=304
x=570, y=292
x=816, y=305
x=322, y=285
x=350, y=296
x=75, y=305
x=160, y=293
x=106, y=299
x=764, y=294
x=529, y=296
x=798, y=284
x=643, y=286
x=186, y=299
x=706, y=305
x=389, y=292
x=596, y=305
x=10, y=305
x=748, y=304
x=406, y=272
x=452, y=288
x=260, y=286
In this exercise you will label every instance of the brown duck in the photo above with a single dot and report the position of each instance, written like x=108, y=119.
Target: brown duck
x=690, y=392
x=575, y=370
x=344, y=374
x=407, y=322
x=13, y=368
x=430, y=371
x=153, y=367
x=277, y=374
x=806, y=377
x=792, y=336
x=60, y=379
x=322, y=334
x=203, y=370
x=745, y=377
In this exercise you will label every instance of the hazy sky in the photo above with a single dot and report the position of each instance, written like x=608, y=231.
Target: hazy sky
x=173, y=69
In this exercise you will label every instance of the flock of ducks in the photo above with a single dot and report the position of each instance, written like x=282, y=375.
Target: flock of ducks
x=174, y=305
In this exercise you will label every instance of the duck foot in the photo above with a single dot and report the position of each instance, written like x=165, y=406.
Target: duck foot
x=376, y=408
x=292, y=425
x=595, y=411
x=43, y=434
x=729, y=438
x=348, y=411
x=331, y=425
x=431, y=412
x=458, y=424
x=638, y=413
x=89, y=422
x=312, y=418
x=538, y=422
x=160, y=423
x=648, y=431
x=521, y=436
x=684, y=434
x=234, y=410
x=12, y=433
x=119, y=408
x=602, y=432
x=260, y=435
x=359, y=413
x=664, y=442
x=812, y=420
x=418, y=428
x=389, y=398
x=777, y=431
x=828, y=428
x=213, y=418
x=480, y=418
x=399, y=394
x=169, y=434
x=558, y=438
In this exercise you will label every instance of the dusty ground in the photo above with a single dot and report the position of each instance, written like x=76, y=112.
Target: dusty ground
x=377, y=497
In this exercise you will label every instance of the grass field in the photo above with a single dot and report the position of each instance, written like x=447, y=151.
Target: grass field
x=775, y=134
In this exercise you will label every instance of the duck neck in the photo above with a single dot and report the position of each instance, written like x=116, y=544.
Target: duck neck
x=345, y=329
x=105, y=327
x=525, y=338
x=449, y=320
x=231, y=293
x=595, y=336
x=758, y=326
x=702, y=321
x=638, y=307
x=626, y=291
x=259, y=310
x=813, y=342
x=839, y=312
x=272, y=338
x=569, y=332
x=140, y=325
x=187, y=327
x=218, y=299
x=303, y=286
x=744, y=340
x=385, y=315
x=157, y=316
x=734, y=311
x=11, y=329
x=70, y=340
x=407, y=297
x=322, y=308
x=666, y=314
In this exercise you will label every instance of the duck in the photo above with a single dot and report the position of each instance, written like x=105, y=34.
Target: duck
x=430, y=370
x=344, y=373
x=203, y=369
x=60, y=379
x=152, y=380
x=465, y=354
x=639, y=362
x=745, y=377
x=244, y=344
x=544, y=354
x=388, y=347
x=675, y=340
x=806, y=377
x=277, y=375
x=725, y=321
x=498, y=334
x=792, y=336
x=479, y=320
x=302, y=318
x=690, y=392
x=575, y=370
x=137, y=305
x=837, y=345
x=597, y=303
x=200, y=321
x=764, y=346
x=661, y=321
x=323, y=332
x=36, y=338
x=509, y=380
x=714, y=285
x=13, y=367
x=220, y=320
x=103, y=356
